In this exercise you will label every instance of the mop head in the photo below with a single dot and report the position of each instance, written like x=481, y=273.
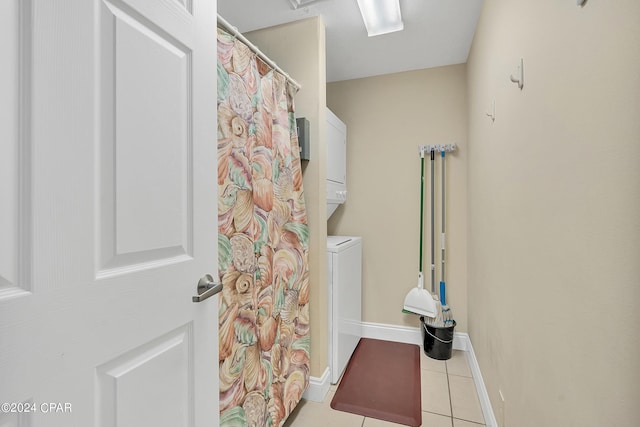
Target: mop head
x=447, y=315
x=443, y=317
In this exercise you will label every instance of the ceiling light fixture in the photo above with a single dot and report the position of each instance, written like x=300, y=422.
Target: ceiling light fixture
x=296, y=4
x=381, y=16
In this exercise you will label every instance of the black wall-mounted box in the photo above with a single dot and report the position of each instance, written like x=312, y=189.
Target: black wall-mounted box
x=303, y=137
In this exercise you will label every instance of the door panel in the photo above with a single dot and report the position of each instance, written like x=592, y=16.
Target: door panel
x=152, y=141
x=10, y=137
x=121, y=404
x=109, y=192
x=147, y=143
x=15, y=25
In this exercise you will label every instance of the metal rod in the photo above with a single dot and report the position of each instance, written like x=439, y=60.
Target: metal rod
x=442, y=230
x=433, y=255
x=421, y=204
x=234, y=31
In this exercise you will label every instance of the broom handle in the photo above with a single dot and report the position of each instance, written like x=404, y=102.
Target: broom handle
x=433, y=257
x=421, y=203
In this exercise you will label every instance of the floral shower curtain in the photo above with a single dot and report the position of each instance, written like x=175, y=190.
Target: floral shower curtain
x=262, y=243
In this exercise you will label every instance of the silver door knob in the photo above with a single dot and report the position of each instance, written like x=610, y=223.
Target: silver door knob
x=206, y=287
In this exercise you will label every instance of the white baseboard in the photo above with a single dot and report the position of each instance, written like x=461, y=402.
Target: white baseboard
x=485, y=403
x=461, y=341
x=380, y=331
x=405, y=334
x=318, y=387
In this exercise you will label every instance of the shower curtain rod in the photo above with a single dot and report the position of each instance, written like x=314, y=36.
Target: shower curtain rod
x=234, y=31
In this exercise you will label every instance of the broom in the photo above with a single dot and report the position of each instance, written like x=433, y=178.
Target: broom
x=419, y=300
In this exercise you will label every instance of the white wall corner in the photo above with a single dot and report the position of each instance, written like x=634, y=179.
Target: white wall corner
x=318, y=387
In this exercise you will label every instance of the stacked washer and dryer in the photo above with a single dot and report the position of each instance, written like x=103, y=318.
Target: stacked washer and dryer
x=344, y=259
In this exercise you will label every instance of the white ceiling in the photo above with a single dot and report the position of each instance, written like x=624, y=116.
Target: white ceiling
x=436, y=33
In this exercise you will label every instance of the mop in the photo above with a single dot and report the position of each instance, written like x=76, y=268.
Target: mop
x=419, y=300
x=437, y=320
x=447, y=315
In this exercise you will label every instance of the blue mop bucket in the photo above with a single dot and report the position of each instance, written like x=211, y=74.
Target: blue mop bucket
x=438, y=341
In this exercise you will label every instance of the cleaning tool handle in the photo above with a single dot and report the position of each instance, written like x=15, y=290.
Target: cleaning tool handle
x=433, y=259
x=420, y=280
x=442, y=216
x=421, y=205
x=443, y=298
x=442, y=245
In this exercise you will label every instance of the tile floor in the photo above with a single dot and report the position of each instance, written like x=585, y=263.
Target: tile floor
x=449, y=399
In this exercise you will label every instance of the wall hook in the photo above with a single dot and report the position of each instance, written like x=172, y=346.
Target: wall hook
x=519, y=78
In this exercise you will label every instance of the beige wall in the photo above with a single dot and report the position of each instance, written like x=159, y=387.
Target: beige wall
x=387, y=118
x=554, y=211
x=299, y=48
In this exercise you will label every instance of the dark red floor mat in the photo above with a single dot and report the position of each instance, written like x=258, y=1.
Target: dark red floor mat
x=382, y=381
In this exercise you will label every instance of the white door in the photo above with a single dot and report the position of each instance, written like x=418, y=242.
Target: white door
x=108, y=214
